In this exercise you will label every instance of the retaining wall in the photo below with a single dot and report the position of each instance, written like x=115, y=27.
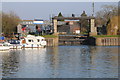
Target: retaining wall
x=52, y=41
x=108, y=41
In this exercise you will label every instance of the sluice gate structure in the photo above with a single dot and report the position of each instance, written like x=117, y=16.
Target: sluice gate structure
x=73, y=40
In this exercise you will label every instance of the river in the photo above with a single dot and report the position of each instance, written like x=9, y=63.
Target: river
x=61, y=62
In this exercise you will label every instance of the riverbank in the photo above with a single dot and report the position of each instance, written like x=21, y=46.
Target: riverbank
x=52, y=40
x=105, y=40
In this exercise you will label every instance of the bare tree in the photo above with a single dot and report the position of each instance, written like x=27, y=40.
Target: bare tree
x=107, y=12
x=105, y=15
x=9, y=22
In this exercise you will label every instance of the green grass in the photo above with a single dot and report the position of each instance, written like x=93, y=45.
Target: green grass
x=107, y=36
x=49, y=36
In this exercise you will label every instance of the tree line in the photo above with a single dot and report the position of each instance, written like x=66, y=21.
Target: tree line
x=107, y=19
x=103, y=18
x=9, y=22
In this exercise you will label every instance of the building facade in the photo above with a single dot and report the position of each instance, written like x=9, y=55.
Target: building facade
x=36, y=26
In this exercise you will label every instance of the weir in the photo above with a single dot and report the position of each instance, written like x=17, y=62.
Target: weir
x=72, y=40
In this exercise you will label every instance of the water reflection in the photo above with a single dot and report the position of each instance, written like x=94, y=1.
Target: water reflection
x=10, y=63
x=62, y=62
x=105, y=61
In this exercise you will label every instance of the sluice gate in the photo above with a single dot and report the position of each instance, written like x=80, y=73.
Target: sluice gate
x=72, y=40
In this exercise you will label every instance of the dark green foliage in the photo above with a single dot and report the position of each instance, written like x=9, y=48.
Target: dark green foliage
x=83, y=14
x=60, y=15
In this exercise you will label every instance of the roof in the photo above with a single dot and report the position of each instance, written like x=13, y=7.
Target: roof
x=27, y=20
x=73, y=18
x=38, y=20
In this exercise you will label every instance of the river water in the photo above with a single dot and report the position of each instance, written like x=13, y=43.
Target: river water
x=61, y=62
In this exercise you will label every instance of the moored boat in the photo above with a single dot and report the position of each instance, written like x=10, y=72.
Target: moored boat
x=33, y=42
x=15, y=44
x=4, y=46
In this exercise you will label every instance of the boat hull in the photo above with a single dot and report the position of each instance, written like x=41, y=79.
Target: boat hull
x=16, y=47
x=32, y=46
x=2, y=48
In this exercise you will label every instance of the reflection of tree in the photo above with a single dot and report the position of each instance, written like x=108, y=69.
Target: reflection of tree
x=55, y=60
x=103, y=61
x=92, y=51
x=10, y=63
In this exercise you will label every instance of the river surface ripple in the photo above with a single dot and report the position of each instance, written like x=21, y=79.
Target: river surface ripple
x=61, y=62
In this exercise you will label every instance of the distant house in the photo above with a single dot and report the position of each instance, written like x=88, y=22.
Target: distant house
x=69, y=26
x=38, y=21
x=34, y=26
x=26, y=22
x=28, y=26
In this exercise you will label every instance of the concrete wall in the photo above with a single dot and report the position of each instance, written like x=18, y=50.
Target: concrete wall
x=101, y=41
x=108, y=41
x=52, y=41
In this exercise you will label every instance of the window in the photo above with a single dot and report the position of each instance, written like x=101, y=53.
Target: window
x=43, y=40
x=30, y=40
x=38, y=40
x=26, y=22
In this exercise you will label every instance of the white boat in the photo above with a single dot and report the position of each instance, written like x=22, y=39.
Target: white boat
x=33, y=42
x=15, y=44
x=4, y=46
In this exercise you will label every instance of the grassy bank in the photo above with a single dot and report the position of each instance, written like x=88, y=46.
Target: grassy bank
x=106, y=36
x=49, y=36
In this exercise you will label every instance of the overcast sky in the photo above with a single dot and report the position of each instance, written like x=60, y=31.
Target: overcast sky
x=43, y=10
